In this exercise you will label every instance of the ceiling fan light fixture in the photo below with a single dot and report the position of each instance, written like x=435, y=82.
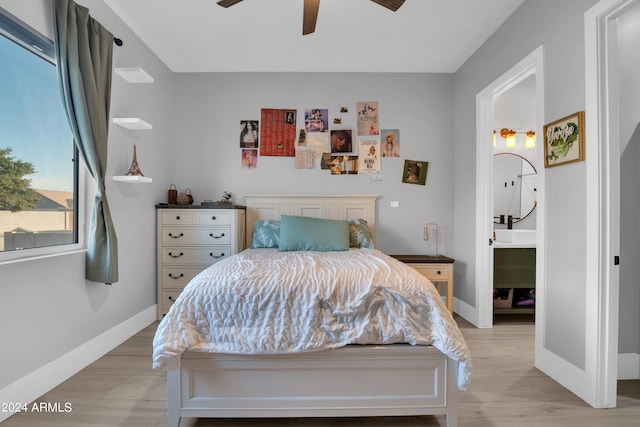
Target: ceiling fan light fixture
x=310, y=12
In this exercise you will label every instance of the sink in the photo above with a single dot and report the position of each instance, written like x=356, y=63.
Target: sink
x=524, y=237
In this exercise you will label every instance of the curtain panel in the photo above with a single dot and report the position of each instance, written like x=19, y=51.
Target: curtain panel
x=84, y=51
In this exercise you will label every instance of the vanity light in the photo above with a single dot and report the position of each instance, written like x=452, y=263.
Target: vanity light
x=530, y=141
x=510, y=136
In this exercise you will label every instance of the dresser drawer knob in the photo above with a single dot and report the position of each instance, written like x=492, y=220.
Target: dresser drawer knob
x=439, y=272
x=171, y=298
x=175, y=256
x=214, y=218
x=176, y=277
x=175, y=237
x=216, y=256
x=216, y=237
x=178, y=218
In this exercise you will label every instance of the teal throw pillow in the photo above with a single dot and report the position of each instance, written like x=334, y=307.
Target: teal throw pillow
x=359, y=234
x=300, y=233
x=266, y=234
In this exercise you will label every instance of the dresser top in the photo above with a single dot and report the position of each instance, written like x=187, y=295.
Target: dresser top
x=207, y=206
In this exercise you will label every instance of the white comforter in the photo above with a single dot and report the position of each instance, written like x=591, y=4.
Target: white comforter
x=267, y=301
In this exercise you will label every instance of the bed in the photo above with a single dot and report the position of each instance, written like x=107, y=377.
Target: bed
x=318, y=333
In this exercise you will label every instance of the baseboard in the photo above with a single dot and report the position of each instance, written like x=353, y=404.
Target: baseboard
x=629, y=366
x=467, y=312
x=33, y=385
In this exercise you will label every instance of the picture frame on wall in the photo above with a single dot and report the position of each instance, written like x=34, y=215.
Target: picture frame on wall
x=564, y=140
x=415, y=172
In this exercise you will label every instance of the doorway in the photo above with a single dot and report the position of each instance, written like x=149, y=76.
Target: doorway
x=528, y=70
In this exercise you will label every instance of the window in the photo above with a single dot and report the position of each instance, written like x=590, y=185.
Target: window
x=38, y=159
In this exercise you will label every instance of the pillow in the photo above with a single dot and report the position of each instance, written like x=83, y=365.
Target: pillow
x=301, y=233
x=266, y=234
x=359, y=234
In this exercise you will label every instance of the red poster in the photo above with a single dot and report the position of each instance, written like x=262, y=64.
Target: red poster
x=278, y=132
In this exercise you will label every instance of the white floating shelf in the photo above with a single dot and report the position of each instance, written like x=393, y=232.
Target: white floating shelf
x=132, y=123
x=134, y=75
x=133, y=178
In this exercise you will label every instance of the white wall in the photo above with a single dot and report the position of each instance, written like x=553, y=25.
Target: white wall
x=47, y=309
x=559, y=27
x=209, y=108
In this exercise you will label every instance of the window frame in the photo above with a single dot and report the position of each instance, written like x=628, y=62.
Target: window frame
x=30, y=39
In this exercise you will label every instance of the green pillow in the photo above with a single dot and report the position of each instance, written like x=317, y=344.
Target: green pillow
x=359, y=234
x=266, y=234
x=301, y=233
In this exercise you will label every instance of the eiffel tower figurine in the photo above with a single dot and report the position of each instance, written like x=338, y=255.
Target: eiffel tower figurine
x=134, y=169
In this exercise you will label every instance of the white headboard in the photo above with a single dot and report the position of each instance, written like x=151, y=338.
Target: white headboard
x=332, y=206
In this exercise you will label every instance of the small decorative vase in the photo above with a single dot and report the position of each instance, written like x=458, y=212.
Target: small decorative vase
x=183, y=199
x=173, y=194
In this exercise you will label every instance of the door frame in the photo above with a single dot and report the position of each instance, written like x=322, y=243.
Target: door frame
x=532, y=64
x=603, y=197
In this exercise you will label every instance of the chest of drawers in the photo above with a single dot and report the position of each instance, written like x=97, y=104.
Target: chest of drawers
x=190, y=239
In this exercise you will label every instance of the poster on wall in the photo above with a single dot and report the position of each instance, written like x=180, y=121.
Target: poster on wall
x=278, y=132
x=341, y=141
x=316, y=120
x=304, y=159
x=369, y=156
x=390, y=142
x=250, y=158
x=248, y=134
x=344, y=165
x=317, y=143
x=415, y=172
x=368, y=118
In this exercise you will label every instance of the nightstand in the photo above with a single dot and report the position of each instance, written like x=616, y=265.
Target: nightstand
x=438, y=269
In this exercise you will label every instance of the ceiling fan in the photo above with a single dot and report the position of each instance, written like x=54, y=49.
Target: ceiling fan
x=311, y=11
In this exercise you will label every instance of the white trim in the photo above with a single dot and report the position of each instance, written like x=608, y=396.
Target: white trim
x=629, y=366
x=532, y=64
x=603, y=199
x=466, y=311
x=42, y=380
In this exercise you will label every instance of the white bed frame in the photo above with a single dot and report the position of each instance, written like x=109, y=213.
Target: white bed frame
x=390, y=380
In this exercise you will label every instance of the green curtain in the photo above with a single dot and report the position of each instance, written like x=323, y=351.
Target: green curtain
x=84, y=50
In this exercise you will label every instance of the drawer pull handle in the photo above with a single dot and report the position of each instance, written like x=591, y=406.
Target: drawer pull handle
x=178, y=218
x=216, y=237
x=214, y=218
x=175, y=237
x=175, y=256
x=176, y=277
x=439, y=272
x=216, y=256
x=171, y=298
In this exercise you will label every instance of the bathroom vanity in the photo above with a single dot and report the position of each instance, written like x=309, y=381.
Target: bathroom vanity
x=514, y=276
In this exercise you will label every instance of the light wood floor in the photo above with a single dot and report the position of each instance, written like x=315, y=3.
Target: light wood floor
x=121, y=389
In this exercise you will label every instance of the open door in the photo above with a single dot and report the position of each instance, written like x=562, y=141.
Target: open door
x=603, y=196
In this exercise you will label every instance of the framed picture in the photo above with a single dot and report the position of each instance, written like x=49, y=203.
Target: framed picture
x=415, y=172
x=564, y=140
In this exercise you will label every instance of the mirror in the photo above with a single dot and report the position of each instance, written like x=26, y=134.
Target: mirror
x=514, y=187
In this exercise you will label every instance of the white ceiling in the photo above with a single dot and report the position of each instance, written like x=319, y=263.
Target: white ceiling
x=350, y=36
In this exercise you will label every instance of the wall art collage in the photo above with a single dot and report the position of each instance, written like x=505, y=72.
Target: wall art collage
x=315, y=138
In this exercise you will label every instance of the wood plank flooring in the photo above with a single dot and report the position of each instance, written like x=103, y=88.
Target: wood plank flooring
x=121, y=389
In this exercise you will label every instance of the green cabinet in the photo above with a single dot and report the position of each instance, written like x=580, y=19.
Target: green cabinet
x=514, y=279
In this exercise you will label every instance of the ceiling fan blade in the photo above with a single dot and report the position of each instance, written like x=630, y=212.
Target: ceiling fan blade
x=227, y=3
x=310, y=16
x=390, y=4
